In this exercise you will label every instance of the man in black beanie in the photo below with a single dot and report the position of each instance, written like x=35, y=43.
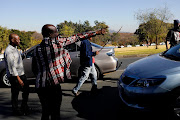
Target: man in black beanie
x=173, y=35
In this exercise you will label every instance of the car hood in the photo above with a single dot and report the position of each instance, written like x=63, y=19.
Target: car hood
x=153, y=66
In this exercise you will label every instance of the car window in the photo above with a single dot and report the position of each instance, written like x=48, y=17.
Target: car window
x=30, y=54
x=72, y=47
x=173, y=53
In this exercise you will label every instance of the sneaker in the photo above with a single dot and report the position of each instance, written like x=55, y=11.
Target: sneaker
x=75, y=94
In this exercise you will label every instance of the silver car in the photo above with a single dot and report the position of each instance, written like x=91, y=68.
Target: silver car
x=104, y=62
x=153, y=82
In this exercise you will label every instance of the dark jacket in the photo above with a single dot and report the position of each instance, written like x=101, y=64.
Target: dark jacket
x=171, y=38
x=86, y=53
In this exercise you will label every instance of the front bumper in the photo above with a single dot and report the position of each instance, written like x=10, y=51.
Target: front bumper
x=143, y=98
x=118, y=63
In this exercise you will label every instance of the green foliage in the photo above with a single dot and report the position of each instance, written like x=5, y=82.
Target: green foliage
x=67, y=29
x=36, y=38
x=4, y=38
x=27, y=39
x=153, y=26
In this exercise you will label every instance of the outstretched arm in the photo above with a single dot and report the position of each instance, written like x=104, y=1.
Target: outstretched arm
x=81, y=36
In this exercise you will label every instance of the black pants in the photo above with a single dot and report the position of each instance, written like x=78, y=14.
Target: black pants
x=50, y=98
x=15, y=88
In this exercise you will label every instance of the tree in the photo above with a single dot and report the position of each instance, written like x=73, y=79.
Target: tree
x=153, y=23
x=69, y=28
x=4, y=38
x=101, y=39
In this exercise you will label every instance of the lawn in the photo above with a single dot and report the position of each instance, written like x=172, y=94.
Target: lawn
x=139, y=51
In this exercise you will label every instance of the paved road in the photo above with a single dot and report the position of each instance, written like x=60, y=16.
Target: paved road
x=104, y=106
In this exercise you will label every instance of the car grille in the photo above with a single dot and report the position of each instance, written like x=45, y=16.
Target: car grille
x=127, y=80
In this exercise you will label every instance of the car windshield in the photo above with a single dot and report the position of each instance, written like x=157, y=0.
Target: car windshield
x=173, y=53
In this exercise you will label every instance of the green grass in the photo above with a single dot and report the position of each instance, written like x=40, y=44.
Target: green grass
x=139, y=51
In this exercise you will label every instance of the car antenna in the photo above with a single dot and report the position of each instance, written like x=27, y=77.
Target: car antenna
x=110, y=39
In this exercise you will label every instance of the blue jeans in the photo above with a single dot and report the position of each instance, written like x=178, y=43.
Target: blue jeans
x=86, y=71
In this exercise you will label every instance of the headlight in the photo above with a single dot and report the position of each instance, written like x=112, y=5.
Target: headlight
x=147, y=82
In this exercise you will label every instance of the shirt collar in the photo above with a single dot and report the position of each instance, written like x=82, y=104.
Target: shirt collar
x=12, y=47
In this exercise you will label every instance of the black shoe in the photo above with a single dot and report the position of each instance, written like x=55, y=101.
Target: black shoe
x=25, y=110
x=94, y=90
x=17, y=113
x=75, y=94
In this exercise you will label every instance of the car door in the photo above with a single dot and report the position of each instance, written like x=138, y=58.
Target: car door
x=74, y=51
x=27, y=61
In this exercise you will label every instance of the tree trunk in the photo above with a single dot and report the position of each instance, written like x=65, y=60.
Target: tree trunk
x=156, y=42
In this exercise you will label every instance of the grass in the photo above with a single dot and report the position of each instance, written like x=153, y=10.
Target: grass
x=139, y=51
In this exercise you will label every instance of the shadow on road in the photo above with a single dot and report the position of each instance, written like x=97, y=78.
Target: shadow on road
x=108, y=106
x=6, y=109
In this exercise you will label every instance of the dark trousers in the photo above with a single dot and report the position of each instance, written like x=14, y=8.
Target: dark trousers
x=15, y=88
x=50, y=98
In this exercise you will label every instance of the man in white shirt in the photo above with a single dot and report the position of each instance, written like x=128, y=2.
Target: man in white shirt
x=16, y=76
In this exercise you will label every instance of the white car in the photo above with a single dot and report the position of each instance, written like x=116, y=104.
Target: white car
x=121, y=46
x=1, y=57
x=129, y=45
x=162, y=43
x=153, y=44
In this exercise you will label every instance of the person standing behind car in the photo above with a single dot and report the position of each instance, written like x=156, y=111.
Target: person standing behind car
x=51, y=65
x=16, y=75
x=87, y=66
x=173, y=35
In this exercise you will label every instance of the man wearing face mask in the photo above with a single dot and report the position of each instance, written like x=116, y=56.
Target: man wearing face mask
x=51, y=65
x=16, y=75
x=173, y=35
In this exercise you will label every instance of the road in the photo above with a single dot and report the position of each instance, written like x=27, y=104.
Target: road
x=106, y=105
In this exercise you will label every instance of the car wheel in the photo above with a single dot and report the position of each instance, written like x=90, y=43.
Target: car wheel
x=98, y=72
x=4, y=80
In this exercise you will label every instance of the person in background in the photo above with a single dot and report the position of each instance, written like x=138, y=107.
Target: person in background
x=51, y=65
x=87, y=66
x=173, y=35
x=16, y=75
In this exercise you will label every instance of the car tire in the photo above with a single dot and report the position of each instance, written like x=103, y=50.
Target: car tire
x=98, y=72
x=4, y=80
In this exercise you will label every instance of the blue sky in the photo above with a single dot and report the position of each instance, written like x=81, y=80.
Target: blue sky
x=31, y=15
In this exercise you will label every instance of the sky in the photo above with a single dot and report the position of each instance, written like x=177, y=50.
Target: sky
x=31, y=15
